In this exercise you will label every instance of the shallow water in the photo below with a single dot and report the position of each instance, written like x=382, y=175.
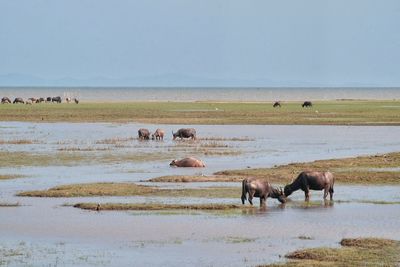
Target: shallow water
x=54, y=234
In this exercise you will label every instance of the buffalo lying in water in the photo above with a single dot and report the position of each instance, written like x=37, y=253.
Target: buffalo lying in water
x=314, y=181
x=185, y=133
x=187, y=162
x=262, y=189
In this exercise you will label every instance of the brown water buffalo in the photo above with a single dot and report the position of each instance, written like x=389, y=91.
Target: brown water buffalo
x=277, y=104
x=187, y=162
x=262, y=189
x=309, y=180
x=18, y=100
x=143, y=134
x=185, y=133
x=158, y=135
x=307, y=104
x=5, y=100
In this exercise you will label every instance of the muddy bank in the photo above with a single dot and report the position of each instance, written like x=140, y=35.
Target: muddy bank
x=353, y=252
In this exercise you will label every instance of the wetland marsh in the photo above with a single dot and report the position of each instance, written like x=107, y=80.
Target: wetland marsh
x=187, y=214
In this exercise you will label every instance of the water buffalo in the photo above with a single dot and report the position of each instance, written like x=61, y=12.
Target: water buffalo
x=143, y=134
x=76, y=101
x=307, y=104
x=5, y=100
x=68, y=99
x=185, y=133
x=18, y=100
x=29, y=102
x=277, y=104
x=56, y=99
x=32, y=99
x=40, y=100
x=158, y=135
x=314, y=181
x=48, y=99
x=262, y=189
x=187, y=162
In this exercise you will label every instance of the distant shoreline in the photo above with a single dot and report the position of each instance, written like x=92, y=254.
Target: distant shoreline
x=208, y=94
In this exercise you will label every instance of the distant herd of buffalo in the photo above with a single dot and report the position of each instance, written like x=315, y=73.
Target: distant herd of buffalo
x=252, y=187
x=33, y=100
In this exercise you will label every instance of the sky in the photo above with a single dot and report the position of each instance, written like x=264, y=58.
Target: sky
x=199, y=43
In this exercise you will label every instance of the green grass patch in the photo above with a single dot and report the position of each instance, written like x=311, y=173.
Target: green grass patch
x=354, y=252
x=130, y=189
x=346, y=170
x=158, y=206
x=322, y=112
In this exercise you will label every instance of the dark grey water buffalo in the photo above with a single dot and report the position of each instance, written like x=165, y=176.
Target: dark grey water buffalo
x=76, y=100
x=262, y=189
x=309, y=180
x=307, y=104
x=56, y=99
x=48, y=99
x=158, y=135
x=185, y=133
x=143, y=134
x=40, y=100
x=277, y=104
x=187, y=162
x=18, y=100
x=5, y=100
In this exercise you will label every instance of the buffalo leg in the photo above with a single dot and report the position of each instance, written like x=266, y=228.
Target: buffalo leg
x=325, y=192
x=262, y=201
x=331, y=192
x=307, y=194
x=251, y=195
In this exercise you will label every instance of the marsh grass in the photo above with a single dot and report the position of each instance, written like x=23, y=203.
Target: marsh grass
x=157, y=206
x=354, y=252
x=346, y=170
x=115, y=140
x=9, y=205
x=329, y=113
x=75, y=157
x=10, y=176
x=130, y=189
x=195, y=178
x=19, y=142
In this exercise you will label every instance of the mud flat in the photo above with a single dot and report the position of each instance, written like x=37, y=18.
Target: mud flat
x=353, y=252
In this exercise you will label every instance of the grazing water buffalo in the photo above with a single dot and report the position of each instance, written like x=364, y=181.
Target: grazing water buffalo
x=76, y=101
x=187, y=162
x=18, y=100
x=56, y=99
x=68, y=99
x=143, y=134
x=158, y=135
x=29, y=102
x=277, y=104
x=40, y=100
x=314, y=181
x=262, y=189
x=5, y=100
x=185, y=133
x=48, y=99
x=307, y=104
